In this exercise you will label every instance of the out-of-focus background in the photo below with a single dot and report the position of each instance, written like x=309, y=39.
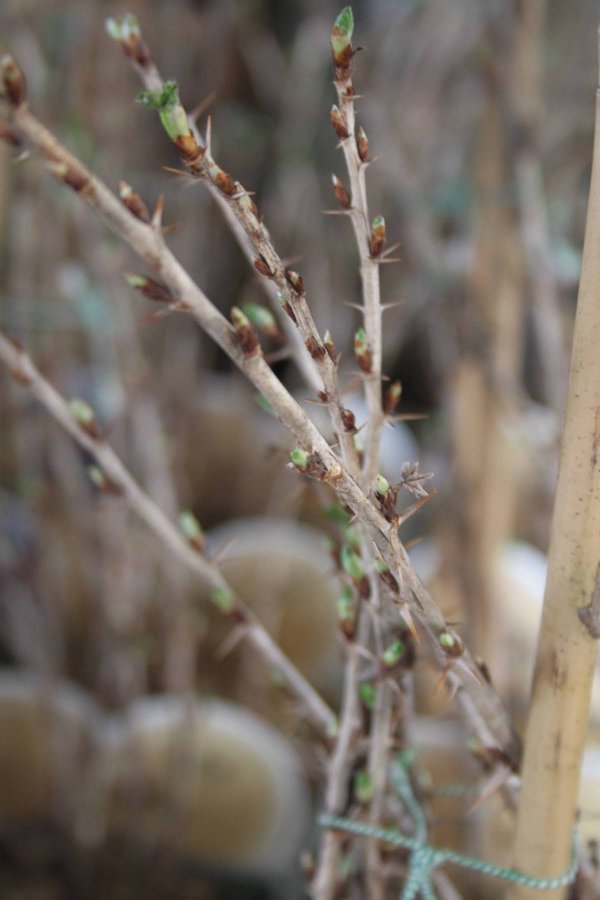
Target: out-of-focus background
x=480, y=119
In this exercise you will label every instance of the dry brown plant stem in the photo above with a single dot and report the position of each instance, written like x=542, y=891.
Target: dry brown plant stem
x=570, y=627
x=24, y=371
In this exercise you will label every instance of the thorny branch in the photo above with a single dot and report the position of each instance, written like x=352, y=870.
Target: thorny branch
x=484, y=711
x=115, y=478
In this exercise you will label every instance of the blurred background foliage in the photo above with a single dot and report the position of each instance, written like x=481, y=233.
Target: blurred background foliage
x=482, y=178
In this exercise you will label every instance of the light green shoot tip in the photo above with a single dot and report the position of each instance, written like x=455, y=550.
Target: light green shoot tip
x=345, y=22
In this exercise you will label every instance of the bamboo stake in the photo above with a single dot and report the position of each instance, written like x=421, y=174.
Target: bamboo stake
x=566, y=652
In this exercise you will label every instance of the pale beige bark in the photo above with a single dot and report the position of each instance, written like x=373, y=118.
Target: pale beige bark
x=566, y=653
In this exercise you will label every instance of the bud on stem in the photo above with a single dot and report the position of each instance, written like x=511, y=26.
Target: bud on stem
x=341, y=37
x=362, y=351
x=377, y=237
x=340, y=191
x=246, y=334
x=12, y=81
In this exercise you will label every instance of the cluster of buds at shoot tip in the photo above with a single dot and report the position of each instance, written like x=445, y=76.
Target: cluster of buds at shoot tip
x=83, y=414
x=377, y=237
x=126, y=32
x=346, y=613
x=246, y=335
x=393, y=653
x=191, y=528
x=13, y=88
x=262, y=319
x=338, y=120
x=286, y=307
x=387, y=496
x=134, y=202
x=362, y=144
x=174, y=119
x=450, y=644
x=391, y=398
x=223, y=180
x=353, y=567
x=383, y=571
x=102, y=482
x=341, y=192
x=295, y=281
x=362, y=787
x=341, y=43
x=329, y=345
x=362, y=351
x=315, y=348
x=223, y=599
x=150, y=288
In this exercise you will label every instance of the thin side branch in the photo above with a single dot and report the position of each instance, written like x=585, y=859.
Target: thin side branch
x=121, y=481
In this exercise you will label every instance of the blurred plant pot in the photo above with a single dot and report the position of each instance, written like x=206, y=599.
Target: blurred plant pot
x=50, y=732
x=283, y=571
x=210, y=781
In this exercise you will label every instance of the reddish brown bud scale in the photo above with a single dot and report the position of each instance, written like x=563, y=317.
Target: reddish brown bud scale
x=362, y=144
x=190, y=149
x=340, y=126
x=150, y=288
x=392, y=397
x=262, y=266
x=329, y=345
x=316, y=350
x=340, y=191
x=377, y=237
x=362, y=351
x=134, y=203
x=348, y=420
x=12, y=81
x=323, y=396
x=225, y=183
x=296, y=281
x=391, y=582
x=246, y=335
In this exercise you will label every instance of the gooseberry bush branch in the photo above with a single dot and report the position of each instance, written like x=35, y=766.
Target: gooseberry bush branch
x=383, y=586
